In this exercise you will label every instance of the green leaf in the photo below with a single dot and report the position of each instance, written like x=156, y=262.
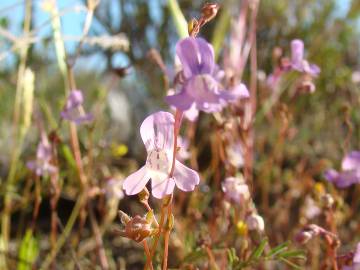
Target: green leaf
x=256, y=254
x=179, y=19
x=68, y=155
x=298, y=254
x=28, y=252
x=232, y=257
x=278, y=249
x=291, y=264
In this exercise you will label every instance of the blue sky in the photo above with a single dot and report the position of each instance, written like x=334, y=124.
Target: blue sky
x=72, y=21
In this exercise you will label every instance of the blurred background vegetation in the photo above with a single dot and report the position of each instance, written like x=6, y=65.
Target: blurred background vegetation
x=319, y=128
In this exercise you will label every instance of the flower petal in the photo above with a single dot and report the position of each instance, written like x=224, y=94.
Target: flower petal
x=240, y=91
x=342, y=179
x=351, y=161
x=157, y=131
x=202, y=88
x=136, y=182
x=346, y=179
x=187, y=51
x=297, y=52
x=207, y=58
x=331, y=175
x=192, y=114
x=181, y=101
x=161, y=188
x=74, y=99
x=185, y=178
x=313, y=70
x=356, y=258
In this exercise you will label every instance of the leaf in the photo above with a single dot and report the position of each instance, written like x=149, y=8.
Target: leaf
x=179, y=19
x=256, y=254
x=68, y=155
x=232, y=257
x=278, y=249
x=293, y=265
x=298, y=254
x=28, y=252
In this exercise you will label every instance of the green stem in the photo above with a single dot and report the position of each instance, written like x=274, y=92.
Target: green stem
x=179, y=19
x=18, y=139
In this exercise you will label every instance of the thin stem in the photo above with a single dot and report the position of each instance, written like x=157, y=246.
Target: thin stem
x=67, y=230
x=18, y=141
x=147, y=252
x=250, y=109
x=99, y=242
x=157, y=236
x=211, y=258
x=167, y=236
x=177, y=124
x=166, y=248
x=37, y=201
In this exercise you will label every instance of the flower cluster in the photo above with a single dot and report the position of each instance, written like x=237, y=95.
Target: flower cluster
x=198, y=89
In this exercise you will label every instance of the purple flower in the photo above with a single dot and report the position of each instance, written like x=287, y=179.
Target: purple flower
x=73, y=109
x=235, y=154
x=311, y=210
x=297, y=59
x=350, y=173
x=296, y=63
x=235, y=189
x=356, y=260
x=42, y=166
x=201, y=86
x=157, y=133
x=191, y=114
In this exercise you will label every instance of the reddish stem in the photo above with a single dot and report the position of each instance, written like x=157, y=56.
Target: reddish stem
x=148, y=255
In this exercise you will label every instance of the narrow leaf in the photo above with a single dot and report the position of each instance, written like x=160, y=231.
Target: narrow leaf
x=291, y=264
x=278, y=249
x=179, y=19
x=256, y=254
x=28, y=252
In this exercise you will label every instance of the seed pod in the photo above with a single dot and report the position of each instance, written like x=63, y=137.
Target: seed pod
x=138, y=229
x=209, y=11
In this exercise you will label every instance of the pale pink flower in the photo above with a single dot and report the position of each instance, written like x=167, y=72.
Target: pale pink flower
x=157, y=133
x=235, y=189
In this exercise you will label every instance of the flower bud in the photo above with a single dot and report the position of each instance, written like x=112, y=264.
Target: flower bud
x=303, y=237
x=255, y=222
x=209, y=11
x=306, y=86
x=124, y=218
x=191, y=25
